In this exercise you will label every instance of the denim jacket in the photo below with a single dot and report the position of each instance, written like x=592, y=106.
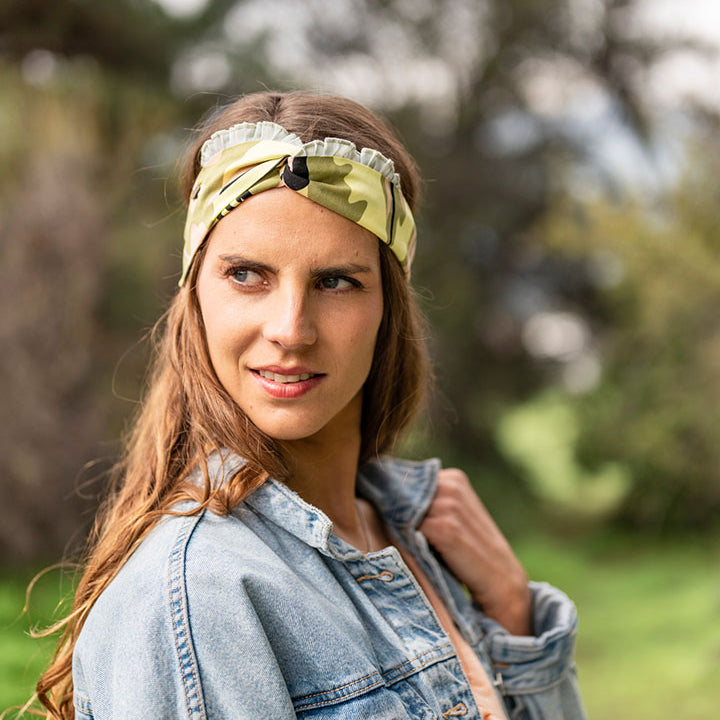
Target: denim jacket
x=265, y=613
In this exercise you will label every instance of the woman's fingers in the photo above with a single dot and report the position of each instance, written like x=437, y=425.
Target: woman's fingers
x=461, y=529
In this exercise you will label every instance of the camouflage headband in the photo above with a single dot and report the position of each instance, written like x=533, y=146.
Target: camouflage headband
x=248, y=158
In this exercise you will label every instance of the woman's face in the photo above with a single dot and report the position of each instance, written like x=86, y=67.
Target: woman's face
x=291, y=297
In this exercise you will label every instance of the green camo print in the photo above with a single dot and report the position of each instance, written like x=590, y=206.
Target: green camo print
x=345, y=186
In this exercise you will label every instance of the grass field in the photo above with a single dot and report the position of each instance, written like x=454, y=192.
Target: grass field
x=22, y=658
x=649, y=640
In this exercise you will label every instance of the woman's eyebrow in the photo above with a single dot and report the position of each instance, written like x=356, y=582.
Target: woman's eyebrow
x=245, y=262
x=348, y=269
x=317, y=271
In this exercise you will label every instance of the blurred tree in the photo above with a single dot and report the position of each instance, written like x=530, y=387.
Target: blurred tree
x=658, y=331
x=51, y=268
x=61, y=189
x=127, y=36
x=507, y=104
x=134, y=38
x=89, y=223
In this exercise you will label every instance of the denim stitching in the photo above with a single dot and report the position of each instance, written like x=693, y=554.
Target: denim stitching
x=411, y=661
x=339, y=687
x=301, y=703
x=450, y=653
x=341, y=698
x=181, y=624
x=83, y=704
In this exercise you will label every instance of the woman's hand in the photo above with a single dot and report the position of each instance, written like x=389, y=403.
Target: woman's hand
x=460, y=528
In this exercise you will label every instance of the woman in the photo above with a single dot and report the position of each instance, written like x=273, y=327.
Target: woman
x=261, y=557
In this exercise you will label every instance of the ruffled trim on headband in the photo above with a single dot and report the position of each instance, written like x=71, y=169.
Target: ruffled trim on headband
x=245, y=132
x=337, y=147
x=330, y=146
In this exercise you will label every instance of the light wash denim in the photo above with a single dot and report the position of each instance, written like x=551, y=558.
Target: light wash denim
x=266, y=614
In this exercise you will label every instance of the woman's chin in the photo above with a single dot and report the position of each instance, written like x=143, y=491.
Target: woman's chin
x=289, y=431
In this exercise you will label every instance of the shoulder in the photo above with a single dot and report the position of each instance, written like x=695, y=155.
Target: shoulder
x=182, y=550
x=201, y=561
x=136, y=599
x=185, y=606
x=129, y=634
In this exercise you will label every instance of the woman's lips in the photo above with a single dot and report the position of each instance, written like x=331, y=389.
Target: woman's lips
x=286, y=384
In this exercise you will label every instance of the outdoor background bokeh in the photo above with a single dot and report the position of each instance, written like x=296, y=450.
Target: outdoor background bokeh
x=567, y=259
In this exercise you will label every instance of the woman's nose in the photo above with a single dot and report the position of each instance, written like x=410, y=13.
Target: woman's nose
x=289, y=322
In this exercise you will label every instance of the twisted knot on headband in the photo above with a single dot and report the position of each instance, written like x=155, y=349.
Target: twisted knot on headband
x=249, y=158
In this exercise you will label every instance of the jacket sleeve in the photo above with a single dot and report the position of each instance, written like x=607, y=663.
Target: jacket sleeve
x=536, y=674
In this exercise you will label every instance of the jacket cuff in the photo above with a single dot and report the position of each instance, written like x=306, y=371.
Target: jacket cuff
x=528, y=664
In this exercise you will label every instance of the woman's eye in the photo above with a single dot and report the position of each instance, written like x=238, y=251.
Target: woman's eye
x=243, y=276
x=335, y=283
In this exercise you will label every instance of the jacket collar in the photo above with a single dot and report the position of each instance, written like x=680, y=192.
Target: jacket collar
x=401, y=490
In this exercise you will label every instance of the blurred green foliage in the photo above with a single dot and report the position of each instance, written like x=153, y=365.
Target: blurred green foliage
x=541, y=436
x=657, y=330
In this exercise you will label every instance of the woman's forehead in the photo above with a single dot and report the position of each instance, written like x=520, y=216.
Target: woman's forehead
x=286, y=226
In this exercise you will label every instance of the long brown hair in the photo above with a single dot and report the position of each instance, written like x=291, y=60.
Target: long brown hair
x=186, y=412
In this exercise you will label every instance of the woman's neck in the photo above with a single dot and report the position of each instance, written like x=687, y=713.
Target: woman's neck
x=323, y=474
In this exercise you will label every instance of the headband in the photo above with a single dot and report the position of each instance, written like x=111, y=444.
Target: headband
x=248, y=158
